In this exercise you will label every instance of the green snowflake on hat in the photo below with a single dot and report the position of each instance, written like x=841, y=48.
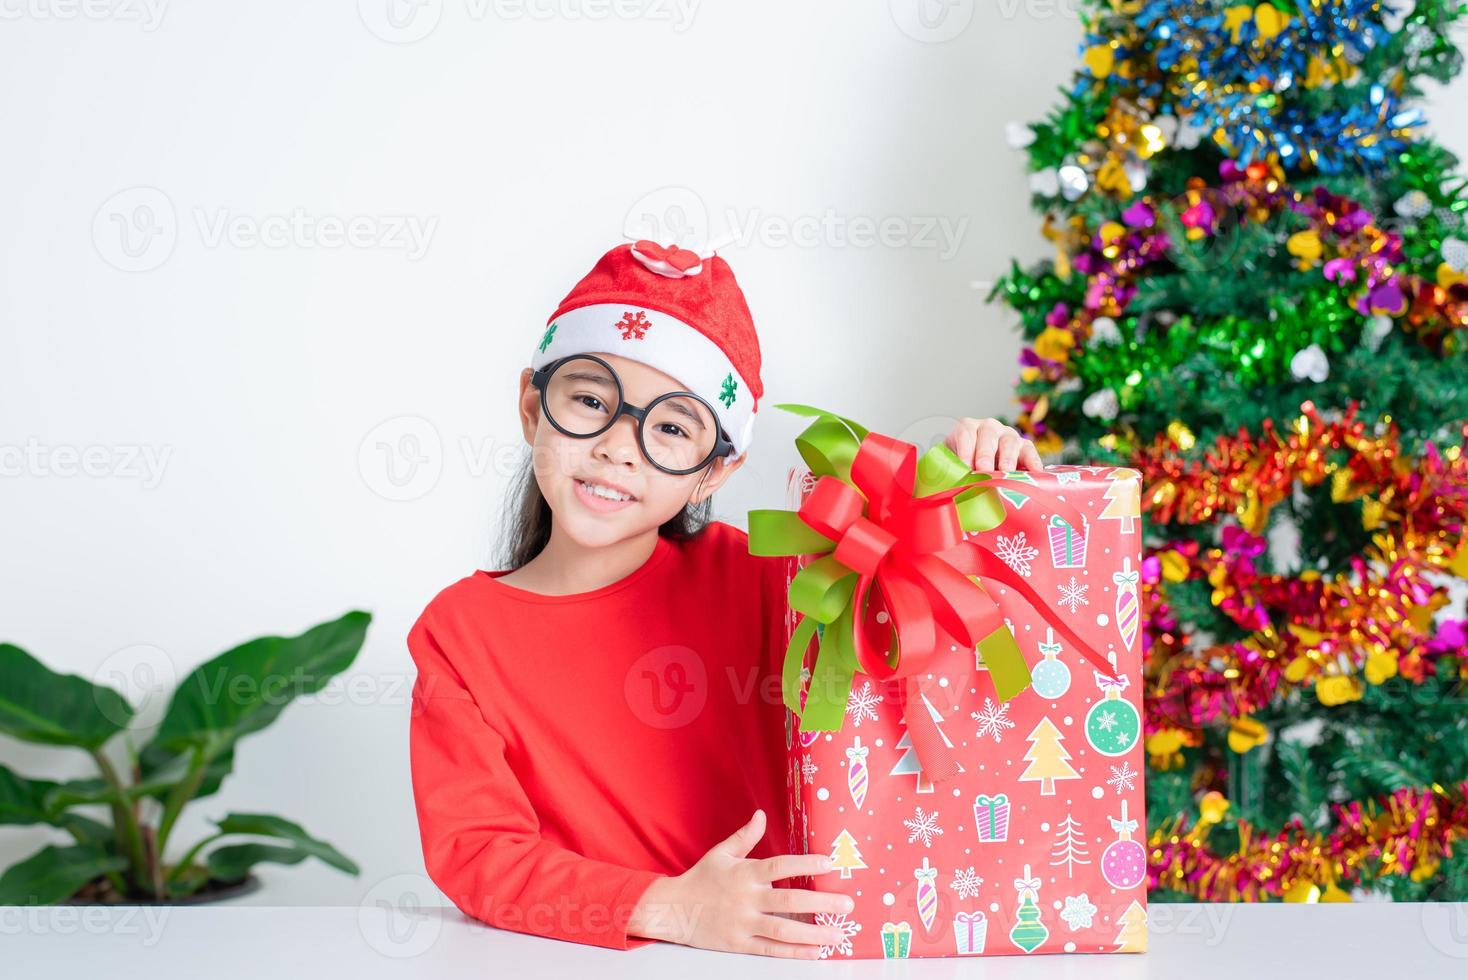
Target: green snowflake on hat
x=545, y=341
x=727, y=394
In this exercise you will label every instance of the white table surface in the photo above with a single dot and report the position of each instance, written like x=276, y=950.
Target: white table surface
x=1187, y=942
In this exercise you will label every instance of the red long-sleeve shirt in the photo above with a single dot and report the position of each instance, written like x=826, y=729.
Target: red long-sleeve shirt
x=568, y=750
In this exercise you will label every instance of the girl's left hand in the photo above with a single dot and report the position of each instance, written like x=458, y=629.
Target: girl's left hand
x=988, y=444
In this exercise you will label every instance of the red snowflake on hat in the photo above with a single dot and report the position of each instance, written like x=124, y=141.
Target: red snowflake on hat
x=634, y=324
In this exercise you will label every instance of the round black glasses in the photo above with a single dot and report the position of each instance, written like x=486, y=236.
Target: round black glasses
x=581, y=395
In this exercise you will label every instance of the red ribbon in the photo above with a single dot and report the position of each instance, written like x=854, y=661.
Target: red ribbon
x=914, y=551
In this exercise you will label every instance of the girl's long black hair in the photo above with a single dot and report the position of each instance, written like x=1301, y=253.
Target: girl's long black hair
x=527, y=524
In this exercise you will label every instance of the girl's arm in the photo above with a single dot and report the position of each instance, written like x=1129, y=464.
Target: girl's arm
x=481, y=836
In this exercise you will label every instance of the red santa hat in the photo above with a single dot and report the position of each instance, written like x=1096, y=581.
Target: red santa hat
x=674, y=310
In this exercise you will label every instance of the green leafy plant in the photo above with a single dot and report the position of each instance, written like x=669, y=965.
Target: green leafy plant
x=238, y=692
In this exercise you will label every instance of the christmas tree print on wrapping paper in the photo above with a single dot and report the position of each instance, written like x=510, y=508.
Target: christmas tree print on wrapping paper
x=845, y=854
x=1070, y=846
x=1047, y=758
x=898, y=572
x=907, y=764
x=1133, y=935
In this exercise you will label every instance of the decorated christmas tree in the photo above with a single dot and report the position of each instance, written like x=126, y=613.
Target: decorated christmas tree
x=1259, y=299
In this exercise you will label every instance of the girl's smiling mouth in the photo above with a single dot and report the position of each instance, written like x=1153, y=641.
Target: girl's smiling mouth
x=603, y=498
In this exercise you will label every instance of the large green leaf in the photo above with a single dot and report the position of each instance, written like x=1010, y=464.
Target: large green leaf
x=22, y=800
x=162, y=769
x=28, y=801
x=233, y=861
x=39, y=705
x=245, y=689
x=86, y=830
x=54, y=874
x=268, y=825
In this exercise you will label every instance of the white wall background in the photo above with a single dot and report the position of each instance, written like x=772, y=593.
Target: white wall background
x=235, y=394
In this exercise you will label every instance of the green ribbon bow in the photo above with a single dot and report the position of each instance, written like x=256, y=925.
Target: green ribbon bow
x=823, y=590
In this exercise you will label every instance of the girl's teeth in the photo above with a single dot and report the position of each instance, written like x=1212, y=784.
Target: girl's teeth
x=603, y=492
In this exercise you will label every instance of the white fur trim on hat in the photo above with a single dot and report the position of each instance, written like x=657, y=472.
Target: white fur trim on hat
x=664, y=343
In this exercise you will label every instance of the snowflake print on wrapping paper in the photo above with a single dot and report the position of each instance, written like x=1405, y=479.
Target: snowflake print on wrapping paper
x=634, y=324
x=808, y=769
x=1073, y=595
x=966, y=883
x=993, y=719
x=924, y=825
x=863, y=703
x=1122, y=777
x=1106, y=720
x=1017, y=553
x=847, y=928
x=1078, y=911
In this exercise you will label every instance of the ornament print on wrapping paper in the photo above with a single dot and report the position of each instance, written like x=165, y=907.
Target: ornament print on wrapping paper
x=1050, y=678
x=926, y=878
x=1113, y=724
x=1124, y=862
x=856, y=772
x=1128, y=605
x=1029, y=932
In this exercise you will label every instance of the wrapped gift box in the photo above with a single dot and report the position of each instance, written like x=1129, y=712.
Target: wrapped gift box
x=1037, y=844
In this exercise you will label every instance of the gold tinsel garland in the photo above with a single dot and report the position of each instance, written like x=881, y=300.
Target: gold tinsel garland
x=1337, y=634
x=1408, y=832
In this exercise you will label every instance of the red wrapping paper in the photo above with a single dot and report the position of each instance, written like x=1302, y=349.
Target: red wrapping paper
x=1038, y=845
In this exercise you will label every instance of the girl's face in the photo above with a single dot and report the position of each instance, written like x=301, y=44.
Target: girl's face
x=563, y=465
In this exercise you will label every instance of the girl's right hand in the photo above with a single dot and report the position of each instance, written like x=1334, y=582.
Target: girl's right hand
x=727, y=902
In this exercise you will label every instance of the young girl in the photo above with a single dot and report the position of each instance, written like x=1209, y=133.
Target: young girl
x=597, y=734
